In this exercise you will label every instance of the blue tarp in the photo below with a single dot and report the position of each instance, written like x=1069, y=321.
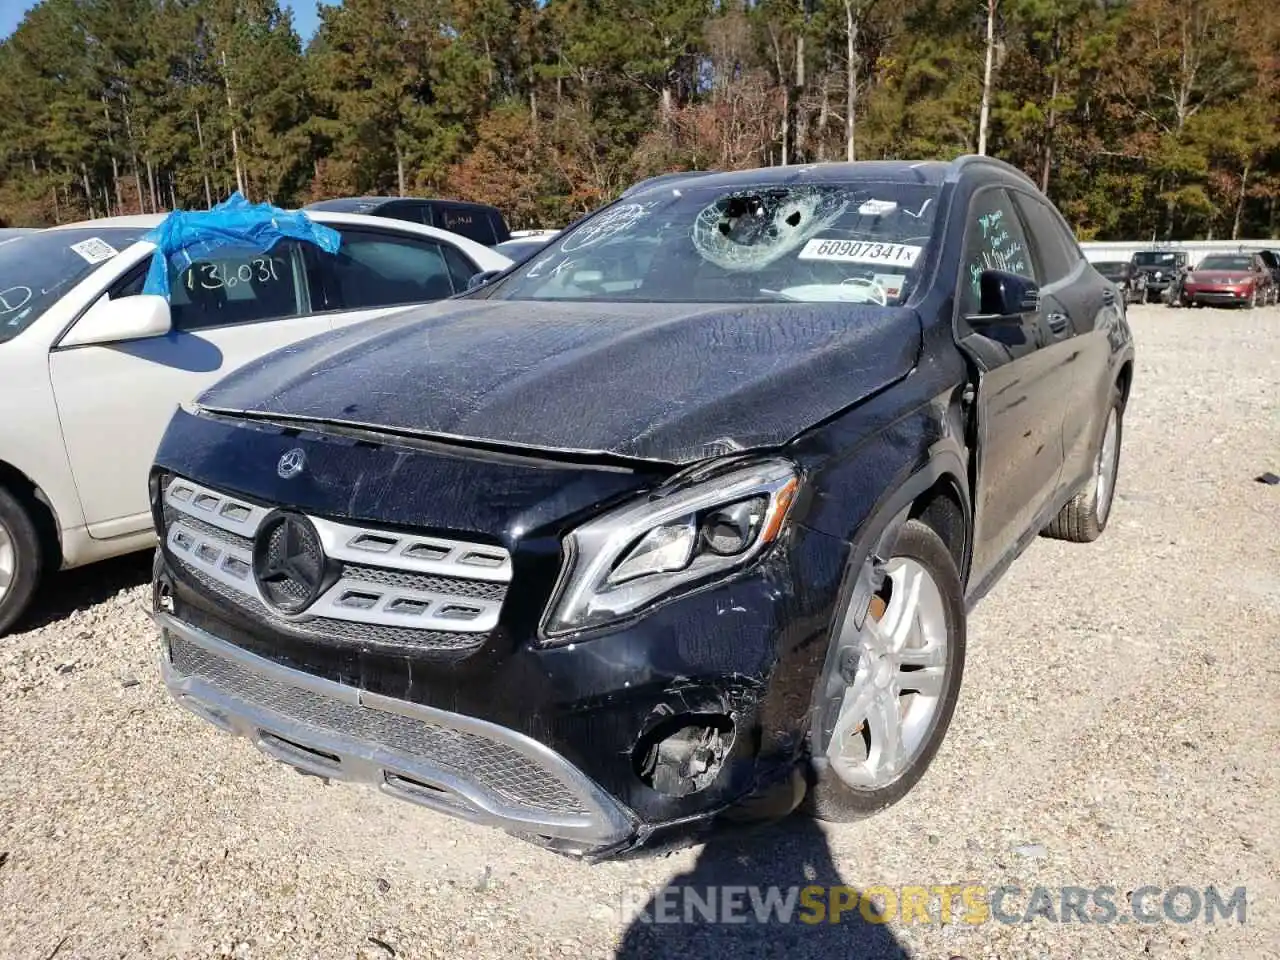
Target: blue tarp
x=186, y=236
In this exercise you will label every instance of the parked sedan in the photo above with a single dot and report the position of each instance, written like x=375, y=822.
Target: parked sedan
x=1229, y=279
x=1131, y=281
x=96, y=368
x=686, y=513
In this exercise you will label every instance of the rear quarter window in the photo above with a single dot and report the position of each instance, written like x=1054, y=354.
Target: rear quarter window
x=470, y=222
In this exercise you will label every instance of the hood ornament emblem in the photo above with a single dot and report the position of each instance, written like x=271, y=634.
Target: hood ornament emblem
x=291, y=464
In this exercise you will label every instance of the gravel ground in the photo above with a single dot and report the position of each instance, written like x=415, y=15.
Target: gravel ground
x=1118, y=726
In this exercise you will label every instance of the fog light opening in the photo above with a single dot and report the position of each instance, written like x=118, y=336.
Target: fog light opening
x=162, y=596
x=683, y=754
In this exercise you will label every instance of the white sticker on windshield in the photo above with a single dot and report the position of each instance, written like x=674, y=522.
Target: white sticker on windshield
x=861, y=251
x=877, y=208
x=94, y=250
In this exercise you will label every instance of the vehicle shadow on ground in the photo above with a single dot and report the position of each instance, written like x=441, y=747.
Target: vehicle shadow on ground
x=65, y=592
x=792, y=853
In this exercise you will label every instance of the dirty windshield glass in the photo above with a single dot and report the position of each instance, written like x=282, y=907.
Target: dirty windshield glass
x=1226, y=263
x=857, y=242
x=38, y=269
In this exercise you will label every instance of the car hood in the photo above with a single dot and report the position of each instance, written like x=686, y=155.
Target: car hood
x=667, y=382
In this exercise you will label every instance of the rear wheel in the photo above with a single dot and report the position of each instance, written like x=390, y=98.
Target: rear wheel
x=21, y=559
x=887, y=698
x=1083, y=518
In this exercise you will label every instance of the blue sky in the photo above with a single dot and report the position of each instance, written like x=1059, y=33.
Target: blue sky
x=305, y=17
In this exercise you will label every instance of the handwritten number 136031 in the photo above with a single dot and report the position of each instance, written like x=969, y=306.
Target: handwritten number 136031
x=215, y=276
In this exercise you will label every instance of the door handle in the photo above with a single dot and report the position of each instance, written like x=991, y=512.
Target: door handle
x=1058, y=322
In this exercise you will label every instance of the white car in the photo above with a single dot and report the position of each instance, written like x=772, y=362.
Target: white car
x=91, y=369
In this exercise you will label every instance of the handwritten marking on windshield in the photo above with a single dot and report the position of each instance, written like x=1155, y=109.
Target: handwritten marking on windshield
x=604, y=226
x=15, y=298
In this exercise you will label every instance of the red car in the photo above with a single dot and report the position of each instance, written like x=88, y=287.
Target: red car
x=1229, y=279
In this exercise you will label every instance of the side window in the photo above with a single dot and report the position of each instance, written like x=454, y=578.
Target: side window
x=461, y=269
x=993, y=241
x=469, y=222
x=240, y=288
x=1053, y=248
x=130, y=285
x=410, y=212
x=378, y=270
x=217, y=291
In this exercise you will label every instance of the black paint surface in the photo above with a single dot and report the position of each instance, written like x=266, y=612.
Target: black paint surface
x=652, y=381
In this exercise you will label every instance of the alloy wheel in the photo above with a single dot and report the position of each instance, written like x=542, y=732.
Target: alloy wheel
x=8, y=561
x=889, y=707
x=1108, y=460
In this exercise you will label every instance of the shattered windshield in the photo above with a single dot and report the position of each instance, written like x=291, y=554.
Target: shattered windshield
x=38, y=269
x=856, y=242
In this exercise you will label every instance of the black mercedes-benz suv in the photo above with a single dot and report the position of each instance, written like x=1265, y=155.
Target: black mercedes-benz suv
x=681, y=516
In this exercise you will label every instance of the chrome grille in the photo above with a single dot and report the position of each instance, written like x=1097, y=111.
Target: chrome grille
x=497, y=767
x=392, y=640
x=393, y=589
x=479, y=589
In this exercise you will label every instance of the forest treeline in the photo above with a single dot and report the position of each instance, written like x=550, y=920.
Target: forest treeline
x=1140, y=118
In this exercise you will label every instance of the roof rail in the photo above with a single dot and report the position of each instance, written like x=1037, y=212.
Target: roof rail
x=976, y=159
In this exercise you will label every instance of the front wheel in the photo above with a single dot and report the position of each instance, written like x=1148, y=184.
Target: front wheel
x=21, y=560
x=886, y=699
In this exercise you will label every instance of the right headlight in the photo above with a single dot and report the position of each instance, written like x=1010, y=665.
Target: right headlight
x=631, y=556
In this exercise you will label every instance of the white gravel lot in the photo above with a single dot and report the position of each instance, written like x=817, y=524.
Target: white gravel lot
x=1118, y=727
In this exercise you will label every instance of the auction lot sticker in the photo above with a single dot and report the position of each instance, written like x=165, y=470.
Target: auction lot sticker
x=861, y=251
x=94, y=250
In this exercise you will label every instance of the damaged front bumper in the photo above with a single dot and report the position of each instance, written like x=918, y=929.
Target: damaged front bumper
x=640, y=737
x=637, y=733
x=410, y=751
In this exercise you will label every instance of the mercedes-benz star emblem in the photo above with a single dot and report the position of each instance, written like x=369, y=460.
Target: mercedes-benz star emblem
x=291, y=464
x=289, y=564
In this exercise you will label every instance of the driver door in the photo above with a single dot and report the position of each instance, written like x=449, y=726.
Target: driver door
x=1019, y=397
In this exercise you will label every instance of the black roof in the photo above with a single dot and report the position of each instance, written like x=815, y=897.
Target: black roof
x=935, y=172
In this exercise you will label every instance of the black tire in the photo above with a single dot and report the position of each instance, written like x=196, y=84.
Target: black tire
x=1081, y=520
x=28, y=559
x=830, y=798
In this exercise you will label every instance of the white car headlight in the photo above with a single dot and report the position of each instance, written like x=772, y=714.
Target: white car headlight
x=625, y=559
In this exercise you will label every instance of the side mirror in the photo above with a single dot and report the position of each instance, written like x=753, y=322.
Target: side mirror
x=481, y=278
x=115, y=321
x=1003, y=294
